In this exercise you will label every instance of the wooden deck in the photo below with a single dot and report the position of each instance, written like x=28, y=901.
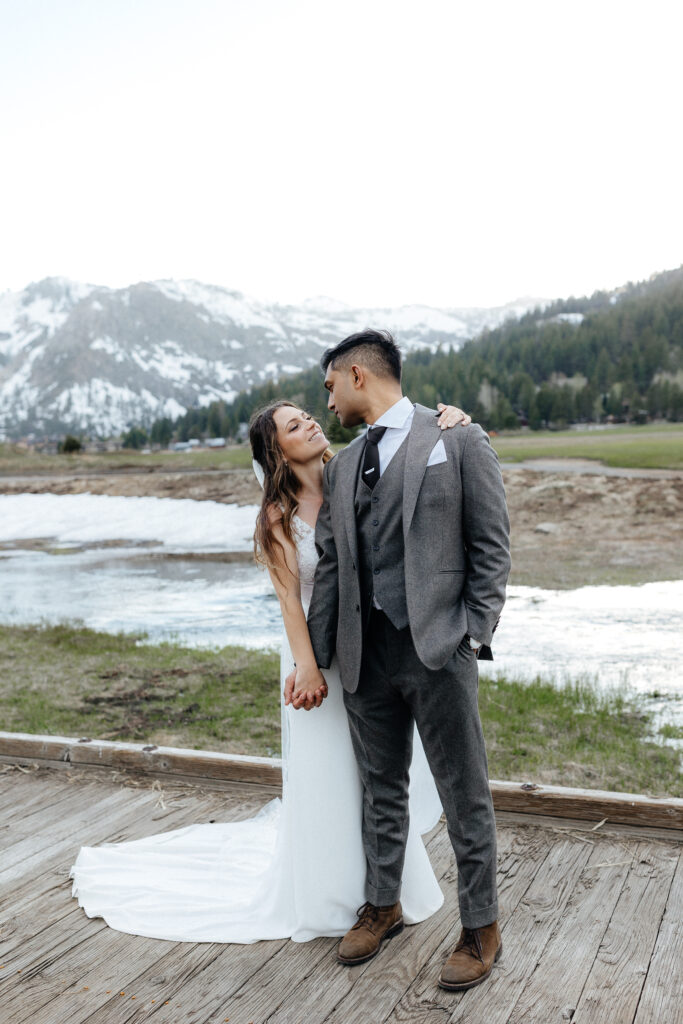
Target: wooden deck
x=592, y=924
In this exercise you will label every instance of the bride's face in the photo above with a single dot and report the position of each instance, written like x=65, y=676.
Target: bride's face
x=299, y=436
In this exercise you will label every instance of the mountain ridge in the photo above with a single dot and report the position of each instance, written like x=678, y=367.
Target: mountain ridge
x=85, y=358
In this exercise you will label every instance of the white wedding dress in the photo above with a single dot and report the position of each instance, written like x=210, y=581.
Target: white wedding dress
x=296, y=869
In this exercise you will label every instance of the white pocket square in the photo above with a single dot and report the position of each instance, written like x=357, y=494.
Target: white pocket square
x=437, y=454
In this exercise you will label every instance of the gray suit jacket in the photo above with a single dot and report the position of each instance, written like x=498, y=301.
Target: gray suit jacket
x=457, y=554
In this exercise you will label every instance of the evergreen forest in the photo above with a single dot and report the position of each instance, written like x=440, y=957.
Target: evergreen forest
x=612, y=357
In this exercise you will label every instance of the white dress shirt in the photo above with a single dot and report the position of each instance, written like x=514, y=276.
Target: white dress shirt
x=398, y=420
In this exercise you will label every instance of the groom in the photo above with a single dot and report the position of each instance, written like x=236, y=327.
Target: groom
x=414, y=558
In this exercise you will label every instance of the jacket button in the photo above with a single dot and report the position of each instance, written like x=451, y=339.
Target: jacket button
x=357, y=607
x=375, y=547
x=377, y=571
x=375, y=522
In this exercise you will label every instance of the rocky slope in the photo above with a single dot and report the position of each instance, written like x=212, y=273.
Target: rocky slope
x=90, y=359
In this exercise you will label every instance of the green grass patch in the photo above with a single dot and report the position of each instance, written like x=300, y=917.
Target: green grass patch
x=76, y=681
x=671, y=732
x=647, y=447
x=575, y=735
x=18, y=460
x=73, y=681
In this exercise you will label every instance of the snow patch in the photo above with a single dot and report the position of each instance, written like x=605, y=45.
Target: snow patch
x=87, y=518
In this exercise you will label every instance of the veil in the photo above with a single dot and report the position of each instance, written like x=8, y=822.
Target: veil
x=258, y=472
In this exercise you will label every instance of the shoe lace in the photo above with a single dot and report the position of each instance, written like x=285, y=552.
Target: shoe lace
x=367, y=915
x=471, y=942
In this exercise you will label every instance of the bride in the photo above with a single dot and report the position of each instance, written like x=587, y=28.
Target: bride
x=297, y=869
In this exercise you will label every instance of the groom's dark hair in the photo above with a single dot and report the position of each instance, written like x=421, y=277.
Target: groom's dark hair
x=375, y=350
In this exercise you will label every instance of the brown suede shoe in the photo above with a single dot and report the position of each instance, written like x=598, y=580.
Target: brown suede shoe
x=473, y=958
x=374, y=924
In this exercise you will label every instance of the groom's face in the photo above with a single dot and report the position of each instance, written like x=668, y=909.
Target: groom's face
x=344, y=397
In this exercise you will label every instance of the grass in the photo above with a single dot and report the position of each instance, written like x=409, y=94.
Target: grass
x=79, y=682
x=575, y=735
x=76, y=681
x=671, y=732
x=18, y=460
x=655, y=446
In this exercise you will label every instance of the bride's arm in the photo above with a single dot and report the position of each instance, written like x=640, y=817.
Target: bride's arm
x=310, y=687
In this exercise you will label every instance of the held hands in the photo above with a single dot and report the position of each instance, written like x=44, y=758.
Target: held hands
x=305, y=687
x=451, y=416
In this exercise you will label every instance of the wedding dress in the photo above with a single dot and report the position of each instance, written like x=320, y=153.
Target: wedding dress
x=296, y=869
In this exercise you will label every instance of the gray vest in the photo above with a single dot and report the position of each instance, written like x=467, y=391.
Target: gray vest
x=379, y=527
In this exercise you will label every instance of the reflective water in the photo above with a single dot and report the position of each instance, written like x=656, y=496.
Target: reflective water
x=614, y=635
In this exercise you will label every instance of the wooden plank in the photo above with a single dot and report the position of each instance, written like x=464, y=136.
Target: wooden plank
x=92, y=826
x=553, y=989
x=52, y=804
x=19, y=791
x=81, y=961
x=143, y=804
x=557, y=801
x=370, y=991
x=120, y=970
x=72, y=940
x=12, y=781
x=266, y=995
x=156, y=978
x=576, y=825
x=662, y=997
x=525, y=935
x=107, y=773
x=614, y=985
x=39, y=908
x=589, y=804
x=220, y=990
x=143, y=758
x=521, y=857
x=22, y=856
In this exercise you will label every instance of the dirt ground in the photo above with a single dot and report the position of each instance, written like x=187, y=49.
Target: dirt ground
x=569, y=528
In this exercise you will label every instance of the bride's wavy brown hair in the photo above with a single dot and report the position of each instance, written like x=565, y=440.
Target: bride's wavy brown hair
x=280, y=485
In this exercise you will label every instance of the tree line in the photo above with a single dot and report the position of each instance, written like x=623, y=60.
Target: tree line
x=616, y=357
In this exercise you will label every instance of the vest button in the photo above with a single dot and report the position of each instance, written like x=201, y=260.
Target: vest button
x=375, y=498
x=376, y=572
x=375, y=547
x=375, y=522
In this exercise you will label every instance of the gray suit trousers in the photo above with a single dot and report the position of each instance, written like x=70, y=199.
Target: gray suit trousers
x=395, y=688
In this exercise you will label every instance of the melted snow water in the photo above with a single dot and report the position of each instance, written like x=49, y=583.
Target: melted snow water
x=614, y=635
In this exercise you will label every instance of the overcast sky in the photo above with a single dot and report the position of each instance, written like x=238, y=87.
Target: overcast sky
x=378, y=151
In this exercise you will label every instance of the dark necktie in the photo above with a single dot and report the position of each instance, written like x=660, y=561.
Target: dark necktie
x=371, y=455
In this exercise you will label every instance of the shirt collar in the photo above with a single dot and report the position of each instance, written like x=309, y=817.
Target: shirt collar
x=397, y=415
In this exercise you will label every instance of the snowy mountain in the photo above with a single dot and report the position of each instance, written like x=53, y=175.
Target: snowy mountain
x=89, y=359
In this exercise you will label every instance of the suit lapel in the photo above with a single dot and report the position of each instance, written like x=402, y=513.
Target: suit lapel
x=421, y=440
x=347, y=477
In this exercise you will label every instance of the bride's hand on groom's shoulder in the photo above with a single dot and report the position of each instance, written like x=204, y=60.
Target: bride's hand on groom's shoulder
x=451, y=416
x=305, y=688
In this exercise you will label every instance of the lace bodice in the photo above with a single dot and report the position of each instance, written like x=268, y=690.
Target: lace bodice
x=306, y=556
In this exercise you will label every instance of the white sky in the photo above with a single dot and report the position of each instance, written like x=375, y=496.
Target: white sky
x=382, y=152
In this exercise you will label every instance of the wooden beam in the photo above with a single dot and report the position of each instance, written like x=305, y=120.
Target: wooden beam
x=134, y=757
x=588, y=804
x=173, y=762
